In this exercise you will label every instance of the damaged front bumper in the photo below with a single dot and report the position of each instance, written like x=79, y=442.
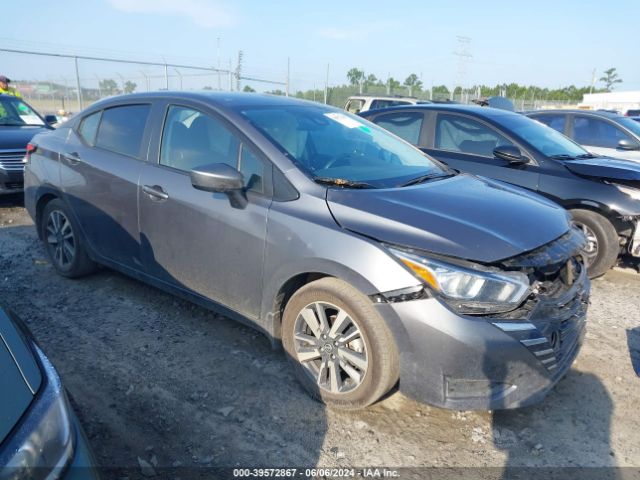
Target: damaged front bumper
x=500, y=361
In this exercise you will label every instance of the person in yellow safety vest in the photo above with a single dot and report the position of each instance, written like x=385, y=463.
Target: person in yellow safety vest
x=5, y=89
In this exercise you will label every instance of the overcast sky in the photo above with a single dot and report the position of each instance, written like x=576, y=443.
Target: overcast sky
x=548, y=43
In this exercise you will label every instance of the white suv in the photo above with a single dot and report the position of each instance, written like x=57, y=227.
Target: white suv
x=362, y=103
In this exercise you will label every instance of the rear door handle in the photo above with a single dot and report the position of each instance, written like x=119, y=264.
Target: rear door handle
x=155, y=191
x=72, y=158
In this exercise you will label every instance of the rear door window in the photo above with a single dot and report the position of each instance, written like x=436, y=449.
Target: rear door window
x=595, y=132
x=554, y=120
x=405, y=125
x=464, y=135
x=354, y=105
x=122, y=128
x=89, y=127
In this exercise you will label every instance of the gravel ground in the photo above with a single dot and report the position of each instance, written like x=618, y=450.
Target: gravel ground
x=157, y=379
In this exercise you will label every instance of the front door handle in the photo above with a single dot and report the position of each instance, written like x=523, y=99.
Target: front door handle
x=72, y=158
x=155, y=191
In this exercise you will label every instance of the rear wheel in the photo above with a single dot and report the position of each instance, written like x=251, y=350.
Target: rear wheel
x=603, y=245
x=341, y=349
x=63, y=241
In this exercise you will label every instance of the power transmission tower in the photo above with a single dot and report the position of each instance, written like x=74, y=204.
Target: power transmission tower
x=462, y=52
x=239, y=69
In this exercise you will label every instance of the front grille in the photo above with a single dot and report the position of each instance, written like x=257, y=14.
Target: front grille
x=13, y=186
x=12, y=160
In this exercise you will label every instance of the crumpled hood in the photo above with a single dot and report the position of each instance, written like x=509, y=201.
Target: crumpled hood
x=16, y=138
x=462, y=216
x=605, y=167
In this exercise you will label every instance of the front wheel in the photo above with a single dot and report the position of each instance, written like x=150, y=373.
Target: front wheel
x=603, y=245
x=63, y=241
x=340, y=347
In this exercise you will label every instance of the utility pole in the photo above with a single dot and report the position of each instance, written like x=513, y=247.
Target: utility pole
x=462, y=52
x=166, y=76
x=286, y=90
x=99, y=89
x=219, y=67
x=78, y=84
x=326, y=86
x=593, y=80
x=146, y=78
x=230, y=79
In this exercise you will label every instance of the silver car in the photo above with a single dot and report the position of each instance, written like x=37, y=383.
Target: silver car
x=600, y=132
x=370, y=263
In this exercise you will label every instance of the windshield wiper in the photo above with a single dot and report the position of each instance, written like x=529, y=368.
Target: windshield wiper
x=563, y=156
x=426, y=178
x=587, y=155
x=342, y=182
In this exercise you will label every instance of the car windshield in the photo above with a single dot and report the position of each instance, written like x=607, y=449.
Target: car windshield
x=15, y=113
x=630, y=124
x=545, y=139
x=334, y=145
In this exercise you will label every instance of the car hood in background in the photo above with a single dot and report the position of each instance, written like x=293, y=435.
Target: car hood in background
x=20, y=375
x=605, y=167
x=461, y=216
x=16, y=138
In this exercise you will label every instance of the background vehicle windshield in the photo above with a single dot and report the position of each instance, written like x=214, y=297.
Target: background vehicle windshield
x=327, y=143
x=547, y=140
x=16, y=113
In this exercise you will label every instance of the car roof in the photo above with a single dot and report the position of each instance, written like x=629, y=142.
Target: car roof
x=486, y=112
x=219, y=99
x=597, y=113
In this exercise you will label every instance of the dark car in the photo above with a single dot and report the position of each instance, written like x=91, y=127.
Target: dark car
x=602, y=194
x=40, y=436
x=18, y=124
x=633, y=113
x=601, y=132
x=371, y=262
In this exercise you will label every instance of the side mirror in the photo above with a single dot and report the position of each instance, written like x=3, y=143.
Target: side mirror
x=627, y=145
x=217, y=177
x=50, y=119
x=511, y=154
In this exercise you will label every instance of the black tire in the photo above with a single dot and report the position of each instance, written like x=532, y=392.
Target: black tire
x=375, y=340
x=608, y=243
x=78, y=263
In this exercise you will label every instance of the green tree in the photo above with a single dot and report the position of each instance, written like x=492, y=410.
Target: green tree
x=129, y=87
x=247, y=88
x=108, y=86
x=371, y=79
x=392, y=84
x=355, y=76
x=610, y=78
x=413, y=82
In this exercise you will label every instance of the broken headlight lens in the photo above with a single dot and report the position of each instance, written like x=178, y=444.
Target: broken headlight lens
x=468, y=290
x=46, y=442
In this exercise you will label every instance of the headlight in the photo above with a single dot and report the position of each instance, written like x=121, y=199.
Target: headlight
x=632, y=192
x=467, y=290
x=45, y=442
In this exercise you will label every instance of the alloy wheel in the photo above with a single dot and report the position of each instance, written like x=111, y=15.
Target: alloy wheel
x=330, y=346
x=60, y=239
x=591, y=250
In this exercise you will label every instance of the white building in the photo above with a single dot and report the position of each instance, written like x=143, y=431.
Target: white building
x=621, y=101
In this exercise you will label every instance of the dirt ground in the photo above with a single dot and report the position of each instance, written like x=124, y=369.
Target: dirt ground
x=157, y=379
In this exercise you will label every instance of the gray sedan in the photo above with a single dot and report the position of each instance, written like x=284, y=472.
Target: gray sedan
x=367, y=260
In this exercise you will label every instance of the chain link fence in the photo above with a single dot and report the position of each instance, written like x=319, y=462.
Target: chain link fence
x=82, y=80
